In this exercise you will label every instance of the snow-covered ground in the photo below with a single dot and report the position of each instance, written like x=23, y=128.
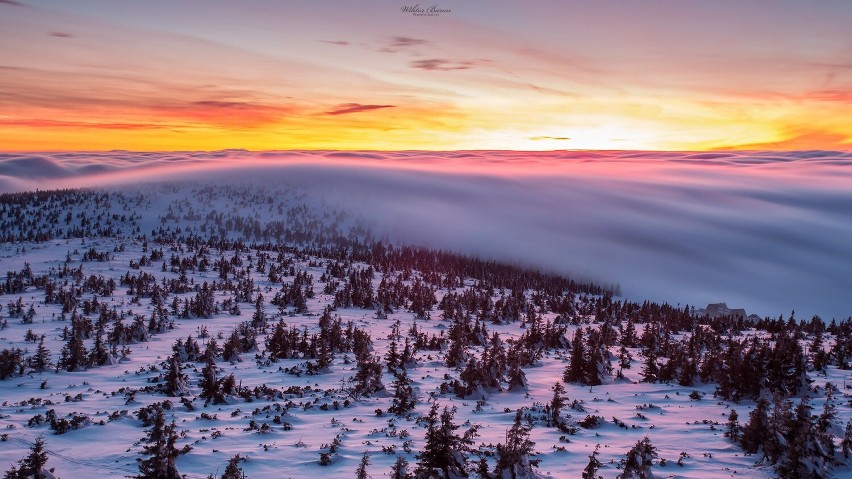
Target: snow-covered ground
x=316, y=409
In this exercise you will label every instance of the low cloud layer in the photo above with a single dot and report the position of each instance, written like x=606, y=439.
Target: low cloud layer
x=767, y=231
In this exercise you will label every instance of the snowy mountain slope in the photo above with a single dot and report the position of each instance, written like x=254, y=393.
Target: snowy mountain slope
x=161, y=245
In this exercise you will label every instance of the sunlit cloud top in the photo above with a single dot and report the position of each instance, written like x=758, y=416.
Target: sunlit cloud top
x=542, y=75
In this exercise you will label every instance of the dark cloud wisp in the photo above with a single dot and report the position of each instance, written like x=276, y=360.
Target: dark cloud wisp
x=347, y=108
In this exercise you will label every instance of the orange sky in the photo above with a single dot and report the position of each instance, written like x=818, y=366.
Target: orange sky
x=541, y=75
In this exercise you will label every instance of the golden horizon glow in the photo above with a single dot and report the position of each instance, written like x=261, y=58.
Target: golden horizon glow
x=100, y=76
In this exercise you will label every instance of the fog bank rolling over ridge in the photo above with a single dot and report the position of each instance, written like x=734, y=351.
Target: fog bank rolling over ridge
x=767, y=231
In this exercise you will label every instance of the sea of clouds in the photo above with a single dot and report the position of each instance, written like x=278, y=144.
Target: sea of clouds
x=767, y=231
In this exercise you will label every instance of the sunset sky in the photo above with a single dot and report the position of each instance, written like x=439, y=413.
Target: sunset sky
x=537, y=75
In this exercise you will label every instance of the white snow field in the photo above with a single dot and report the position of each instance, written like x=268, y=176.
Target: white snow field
x=283, y=435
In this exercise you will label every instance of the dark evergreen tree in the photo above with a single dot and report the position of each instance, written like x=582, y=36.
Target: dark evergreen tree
x=515, y=376
x=597, y=363
x=404, y=399
x=11, y=363
x=556, y=404
x=211, y=390
x=233, y=469
x=576, y=370
x=687, y=372
x=628, y=336
x=513, y=456
x=174, y=383
x=392, y=357
x=361, y=471
x=624, y=357
x=846, y=442
x=73, y=356
x=40, y=361
x=457, y=352
x=780, y=421
x=640, y=458
x=399, y=469
x=825, y=422
x=258, y=319
x=470, y=384
x=650, y=371
x=232, y=348
x=324, y=356
x=733, y=428
x=805, y=456
x=444, y=454
x=591, y=469
x=757, y=427
x=190, y=351
x=819, y=355
x=33, y=465
x=99, y=355
x=161, y=449
x=368, y=377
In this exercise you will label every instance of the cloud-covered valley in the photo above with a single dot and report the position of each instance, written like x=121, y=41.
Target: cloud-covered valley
x=767, y=231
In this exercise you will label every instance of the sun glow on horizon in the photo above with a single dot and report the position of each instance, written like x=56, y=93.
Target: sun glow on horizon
x=300, y=80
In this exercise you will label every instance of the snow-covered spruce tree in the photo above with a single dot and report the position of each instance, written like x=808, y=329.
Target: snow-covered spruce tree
x=211, y=390
x=444, y=454
x=324, y=356
x=33, y=465
x=73, y=356
x=556, y=404
x=597, y=365
x=174, y=382
x=640, y=458
x=258, y=319
x=40, y=361
x=513, y=456
x=651, y=370
x=846, y=442
x=99, y=355
x=591, y=469
x=404, y=399
x=515, y=375
x=470, y=383
x=733, y=430
x=406, y=358
x=11, y=363
x=757, y=427
x=368, y=377
x=361, y=472
x=806, y=455
x=457, y=352
x=820, y=357
x=825, y=421
x=688, y=369
x=161, y=449
x=575, y=372
x=624, y=357
x=188, y=351
x=399, y=469
x=232, y=348
x=780, y=420
x=393, y=357
x=233, y=470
